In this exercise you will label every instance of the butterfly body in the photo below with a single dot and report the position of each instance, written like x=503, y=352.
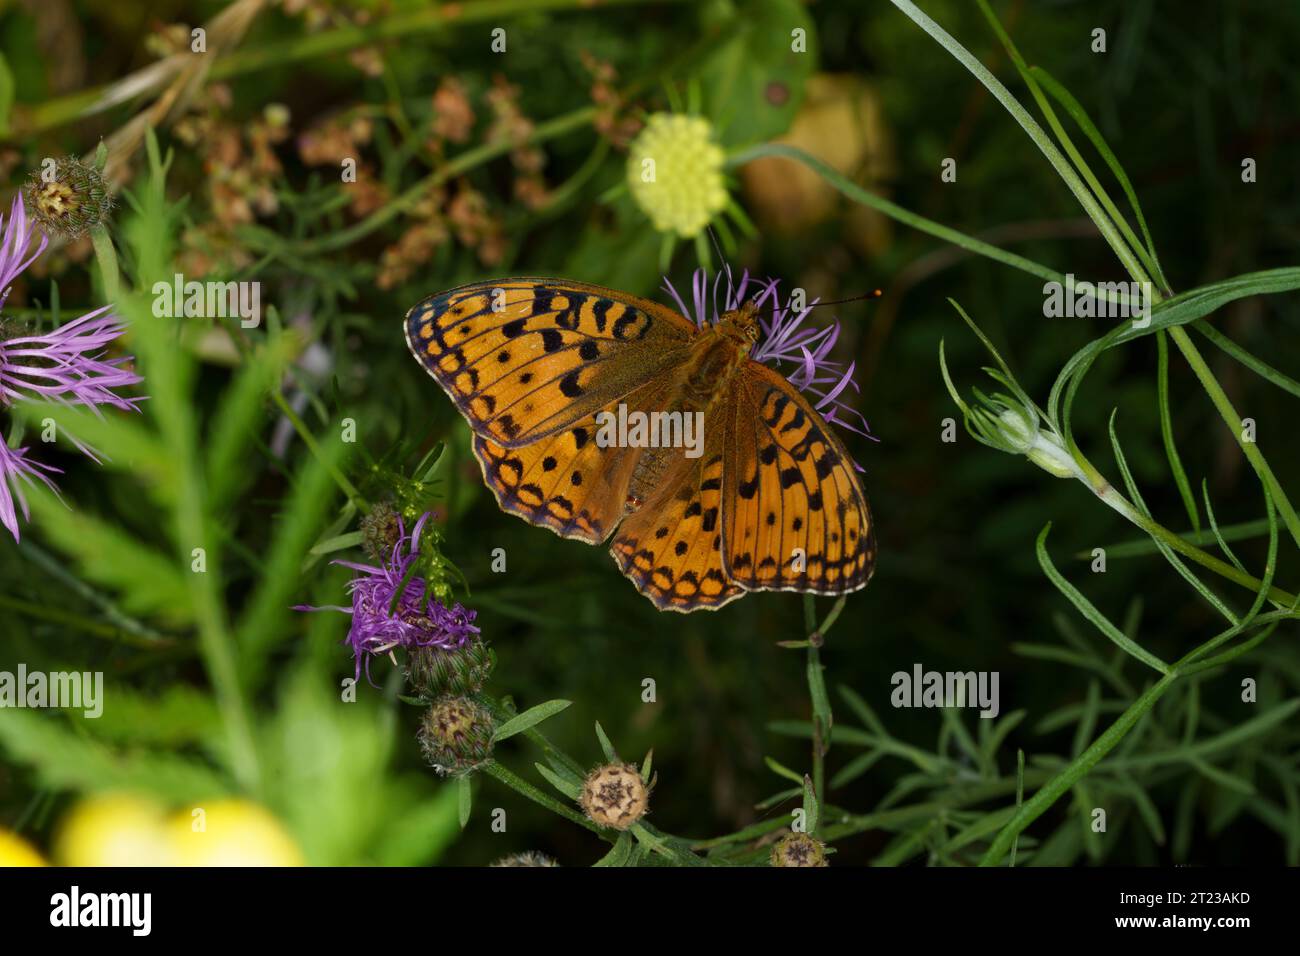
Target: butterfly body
x=764, y=499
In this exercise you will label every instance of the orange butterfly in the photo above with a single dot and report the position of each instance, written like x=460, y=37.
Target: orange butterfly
x=570, y=388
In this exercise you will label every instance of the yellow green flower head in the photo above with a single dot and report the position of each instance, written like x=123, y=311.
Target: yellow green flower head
x=674, y=169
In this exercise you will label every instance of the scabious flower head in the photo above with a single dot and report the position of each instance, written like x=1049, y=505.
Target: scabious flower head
x=674, y=171
x=69, y=197
x=68, y=365
x=391, y=607
x=800, y=351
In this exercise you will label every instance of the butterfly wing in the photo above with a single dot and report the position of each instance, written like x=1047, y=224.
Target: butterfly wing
x=524, y=359
x=568, y=481
x=671, y=548
x=790, y=489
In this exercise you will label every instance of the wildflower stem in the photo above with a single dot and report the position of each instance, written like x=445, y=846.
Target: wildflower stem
x=1111, y=496
x=106, y=256
x=313, y=446
x=1234, y=422
x=855, y=192
x=518, y=783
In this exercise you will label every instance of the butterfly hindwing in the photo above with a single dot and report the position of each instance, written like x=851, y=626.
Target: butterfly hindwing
x=671, y=548
x=795, y=517
x=568, y=481
x=527, y=358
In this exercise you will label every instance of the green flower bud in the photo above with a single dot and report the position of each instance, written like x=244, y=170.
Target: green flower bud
x=379, y=532
x=456, y=735
x=68, y=200
x=1043, y=448
x=799, y=849
x=434, y=671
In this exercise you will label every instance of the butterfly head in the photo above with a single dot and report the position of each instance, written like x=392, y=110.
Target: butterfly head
x=741, y=325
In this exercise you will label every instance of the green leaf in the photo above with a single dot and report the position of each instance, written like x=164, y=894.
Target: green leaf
x=465, y=794
x=1086, y=608
x=148, y=581
x=241, y=409
x=529, y=718
x=122, y=440
x=811, y=808
x=66, y=760
x=620, y=853
x=570, y=788
x=264, y=621
x=6, y=95
x=753, y=83
x=1080, y=116
x=606, y=747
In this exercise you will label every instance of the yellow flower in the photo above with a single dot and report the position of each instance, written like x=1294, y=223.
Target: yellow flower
x=15, y=851
x=113, y=830
x=231, y=833
x=674, y=171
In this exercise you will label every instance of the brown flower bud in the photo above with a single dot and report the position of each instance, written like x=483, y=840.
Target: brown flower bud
x=799, y=849
x=615, y=796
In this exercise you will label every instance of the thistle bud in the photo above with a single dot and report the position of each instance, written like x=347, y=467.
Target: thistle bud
x=69, y=199
x=456, y=735
x=614, y=795
x=526, y=859
x=434, y=671
x=380, y=531
x=799, y=849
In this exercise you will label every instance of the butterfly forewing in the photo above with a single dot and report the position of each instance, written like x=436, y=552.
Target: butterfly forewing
x=526, y=358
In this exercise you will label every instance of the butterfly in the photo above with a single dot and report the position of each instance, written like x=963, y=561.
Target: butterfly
x=544, y=370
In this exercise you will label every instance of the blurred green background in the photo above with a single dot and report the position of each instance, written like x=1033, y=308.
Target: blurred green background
x=1184, y=92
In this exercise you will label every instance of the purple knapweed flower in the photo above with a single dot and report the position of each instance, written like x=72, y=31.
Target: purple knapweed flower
x=784, y=339
x=417, y=620
x=67, y=365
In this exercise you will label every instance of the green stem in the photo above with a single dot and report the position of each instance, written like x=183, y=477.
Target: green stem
x=1035, y=132
x=313, y=446
x=1233, y=421
x=1047, y=795
x=518, y=783
x=106, y=256
x=894, y=211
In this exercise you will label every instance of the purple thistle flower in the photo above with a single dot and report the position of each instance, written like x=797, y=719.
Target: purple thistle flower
x=784, y=339
x=67, y=365
x=416, y=621
x=15, y=467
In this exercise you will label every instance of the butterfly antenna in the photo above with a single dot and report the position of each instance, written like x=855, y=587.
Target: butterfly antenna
x=873, y=294
x=713, y=237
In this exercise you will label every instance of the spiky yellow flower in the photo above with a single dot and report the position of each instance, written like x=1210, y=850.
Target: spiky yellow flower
x=674, y=171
